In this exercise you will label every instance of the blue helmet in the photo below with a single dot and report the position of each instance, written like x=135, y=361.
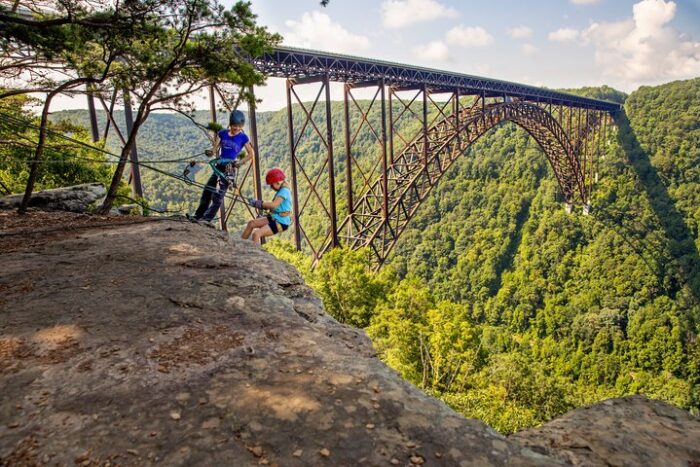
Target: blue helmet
x=237, y=118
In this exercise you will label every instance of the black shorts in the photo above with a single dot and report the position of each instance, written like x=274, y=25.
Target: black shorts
x=274, y=225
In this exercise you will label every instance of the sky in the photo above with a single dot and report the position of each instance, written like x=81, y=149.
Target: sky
x=552, y=43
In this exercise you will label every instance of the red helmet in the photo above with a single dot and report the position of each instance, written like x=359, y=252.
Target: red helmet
x=274, y=176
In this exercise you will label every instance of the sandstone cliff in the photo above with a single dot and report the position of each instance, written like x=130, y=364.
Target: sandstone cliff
x=140, y=342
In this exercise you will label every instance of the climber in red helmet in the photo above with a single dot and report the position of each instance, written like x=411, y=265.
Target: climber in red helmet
x=280, y=217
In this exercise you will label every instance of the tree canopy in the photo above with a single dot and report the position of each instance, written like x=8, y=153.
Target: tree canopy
x=161, y=52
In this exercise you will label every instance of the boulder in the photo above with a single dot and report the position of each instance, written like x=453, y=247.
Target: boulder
x=633, y=431
x=130, y=210
x=76, y=198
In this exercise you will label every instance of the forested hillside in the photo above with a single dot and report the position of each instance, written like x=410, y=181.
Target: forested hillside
x=511, y=310
x=67, y=161
x=569, y=309
x=495, y=299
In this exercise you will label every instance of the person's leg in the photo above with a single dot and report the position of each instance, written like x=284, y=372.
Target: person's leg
x=206, y=197
x=262, y=232
x=254, y=224
x=217, y=197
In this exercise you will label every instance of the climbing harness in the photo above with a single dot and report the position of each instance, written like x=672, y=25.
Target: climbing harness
x=229, y=171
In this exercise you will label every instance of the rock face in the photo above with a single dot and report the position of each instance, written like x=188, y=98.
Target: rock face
x=164, y=342
x=633, y=431
x=73, y=198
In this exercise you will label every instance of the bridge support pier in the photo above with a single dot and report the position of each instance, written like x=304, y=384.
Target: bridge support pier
x=313, y=182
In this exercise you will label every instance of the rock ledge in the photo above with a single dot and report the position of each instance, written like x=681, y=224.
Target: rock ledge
x=164, y=342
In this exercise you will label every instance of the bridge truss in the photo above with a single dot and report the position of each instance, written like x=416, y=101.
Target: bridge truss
x=426, y=119
x=447, y=112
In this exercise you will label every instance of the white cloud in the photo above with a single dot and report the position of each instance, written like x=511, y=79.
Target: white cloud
x=520, y=32
x=316, y=30
x=435, y=51
x=644, y=49
x=483, y=68
x=469, y=36
x=402, y=13
x=563, y=35
x=528, y=49
x=585, y=2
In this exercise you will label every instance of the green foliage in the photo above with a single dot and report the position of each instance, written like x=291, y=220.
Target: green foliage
x=398, y=329
x=496, y=300
x=512, y=311
x=350, y=292
x=66, y=163
x=343, y=280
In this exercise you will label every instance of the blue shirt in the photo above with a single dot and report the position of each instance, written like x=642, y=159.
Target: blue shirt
x=231, y=146
x=285, y=206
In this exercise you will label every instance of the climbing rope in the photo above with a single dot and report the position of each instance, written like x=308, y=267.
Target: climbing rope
x=183, y=178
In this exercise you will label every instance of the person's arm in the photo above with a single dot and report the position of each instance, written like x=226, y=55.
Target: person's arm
x=272, y=204
x=256, y=203
x=249, y=154
x=216, y=146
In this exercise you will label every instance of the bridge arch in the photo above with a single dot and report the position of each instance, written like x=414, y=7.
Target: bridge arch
x=377, y=208
x=378, y=225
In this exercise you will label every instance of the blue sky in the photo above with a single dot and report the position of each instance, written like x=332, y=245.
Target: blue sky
x=553, y=43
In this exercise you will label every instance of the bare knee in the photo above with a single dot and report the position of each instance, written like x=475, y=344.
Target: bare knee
x=247, y=230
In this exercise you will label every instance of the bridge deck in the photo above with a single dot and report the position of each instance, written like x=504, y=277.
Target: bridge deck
x=288, y=62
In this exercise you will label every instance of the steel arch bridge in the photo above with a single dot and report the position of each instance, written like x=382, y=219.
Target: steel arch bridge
x=450, y=110
x=369, y=204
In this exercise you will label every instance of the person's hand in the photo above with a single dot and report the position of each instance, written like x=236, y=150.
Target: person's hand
x=236, y=164
x=256, y=203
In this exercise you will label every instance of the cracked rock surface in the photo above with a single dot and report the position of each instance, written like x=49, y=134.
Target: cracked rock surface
x=164, y=342
x=630, y=431
x=167, y=342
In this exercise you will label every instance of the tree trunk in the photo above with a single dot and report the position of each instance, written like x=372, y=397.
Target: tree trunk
x=38, y=152
x=141, y=116
x=118, y=173
x=5, y=188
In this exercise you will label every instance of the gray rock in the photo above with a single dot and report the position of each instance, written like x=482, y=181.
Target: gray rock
x=165, y=342
x=630, y=431
x=73, y=198
x=130, y=209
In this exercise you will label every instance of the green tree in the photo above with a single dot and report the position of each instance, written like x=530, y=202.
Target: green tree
x=398, y=329
x=347, y=286
x=66, y=162
x=195, y=43
x=64, y=45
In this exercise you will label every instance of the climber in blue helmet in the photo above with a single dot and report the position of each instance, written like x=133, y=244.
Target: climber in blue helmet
x=229, y=145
